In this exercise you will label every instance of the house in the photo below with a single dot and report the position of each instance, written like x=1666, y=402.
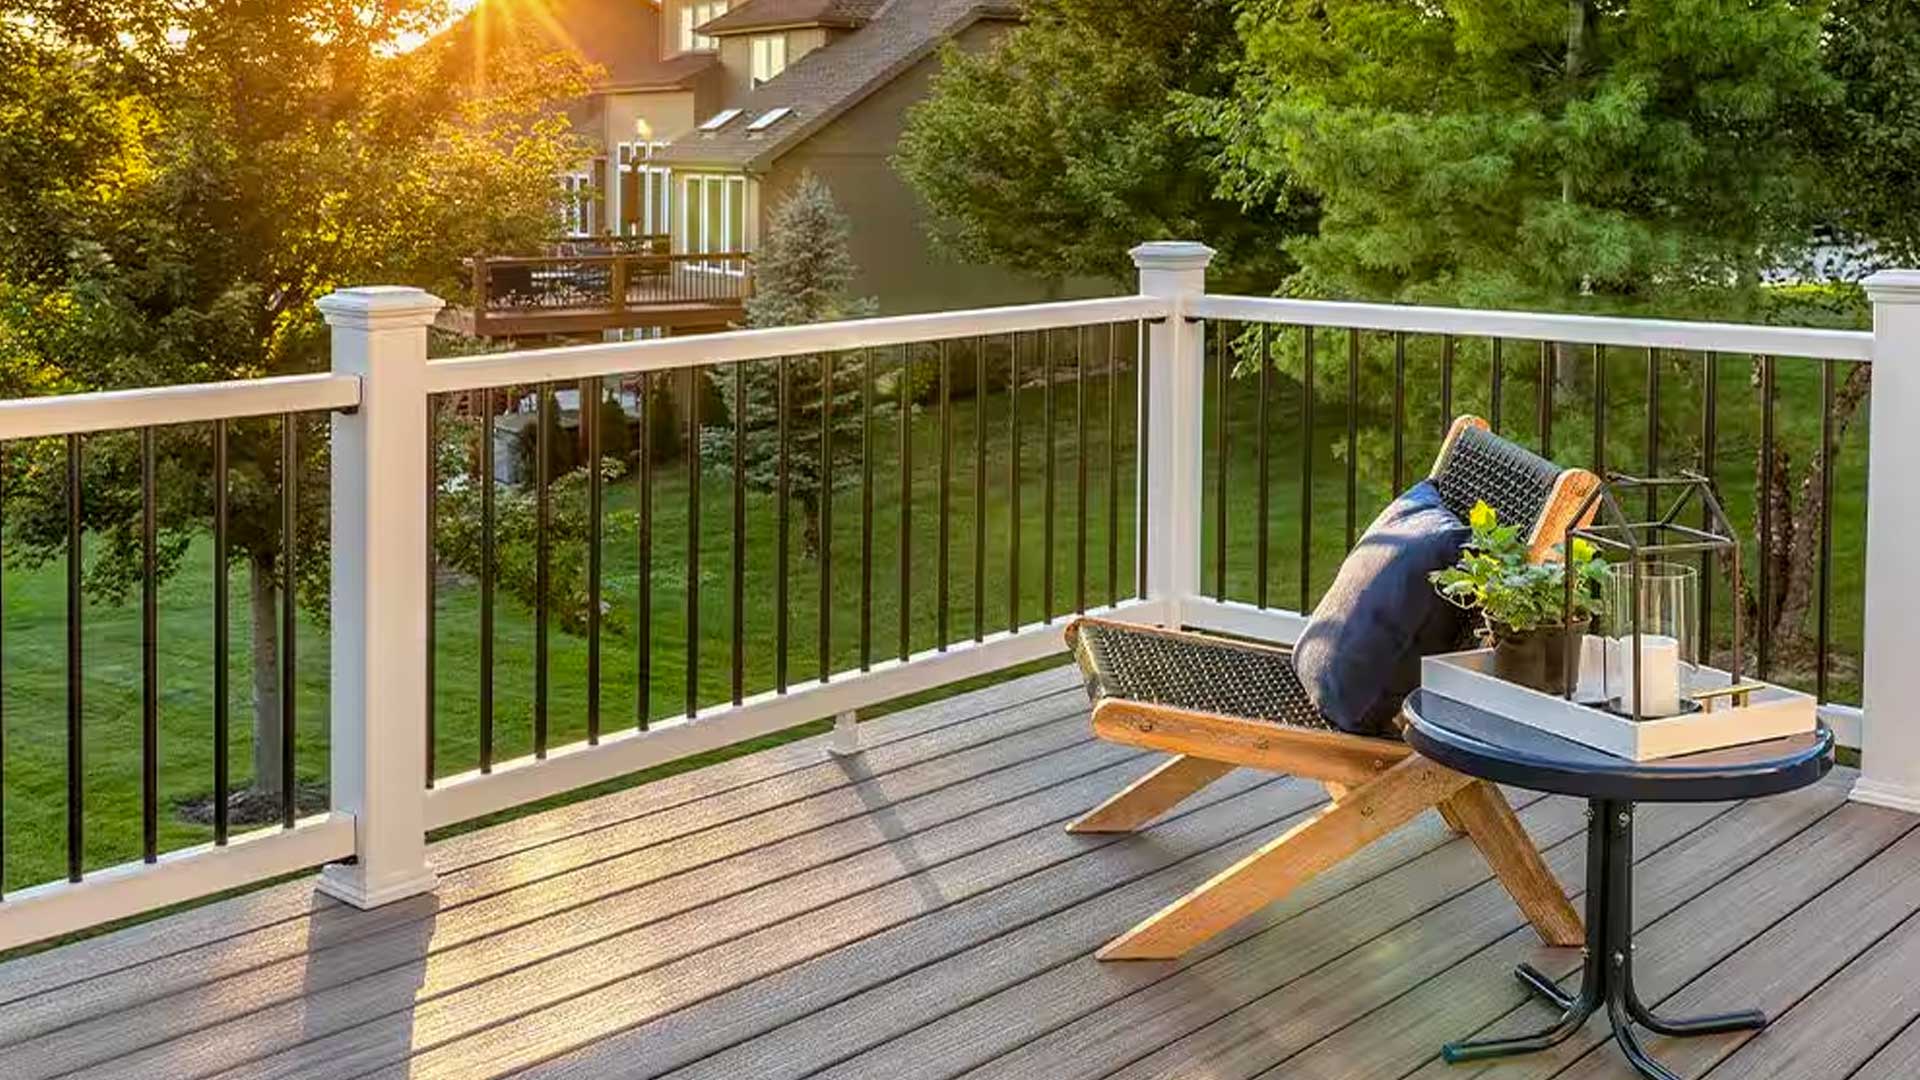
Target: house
x=709, y=110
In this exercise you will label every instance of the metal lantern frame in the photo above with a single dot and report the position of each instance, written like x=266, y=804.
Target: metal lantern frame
x=1661, y=539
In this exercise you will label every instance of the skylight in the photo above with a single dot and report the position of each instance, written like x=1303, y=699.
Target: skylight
x=720, y=119
x=769, y=118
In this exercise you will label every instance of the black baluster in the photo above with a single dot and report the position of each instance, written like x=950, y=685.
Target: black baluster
x=1047, y=495
x=1709, y=438
x=1220, y=462
x=1653, y=425
x=739, y=597
x=1080, y=469
x=1824, y=599
x=1143, y=398
x=1499, y=385
x=149, y=655
x=1399, y=414
x=433, y=585
x=289, y=625
x=643, y=619
x=487, y=563
x=1113, y=471
x=1600, y=410
x=905, y=407
x=1262, y=538
x=76, y=769
x=590, y=421
x=866, y=510
x=823, y=648
x=1543, y=399
x=1013, y=482
x=1306, y=469
x=694, y=426
x=944, y=571
x=221, y=634
x=782, y=499
x=1765, y=497
x=980, y=490
x=542, y=560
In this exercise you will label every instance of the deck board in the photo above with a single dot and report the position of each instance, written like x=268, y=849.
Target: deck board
x=919, y=911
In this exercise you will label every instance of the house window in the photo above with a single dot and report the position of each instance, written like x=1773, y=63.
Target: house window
x=698, y=13
x=713, y=216
x=769, y=57
x=576, y=215
x=646, y=192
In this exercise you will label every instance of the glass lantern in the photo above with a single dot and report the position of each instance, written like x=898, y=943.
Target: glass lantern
x=1649, y=661
x=1662, y=601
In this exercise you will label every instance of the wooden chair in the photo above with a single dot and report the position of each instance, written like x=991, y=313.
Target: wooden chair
x=1219, y=704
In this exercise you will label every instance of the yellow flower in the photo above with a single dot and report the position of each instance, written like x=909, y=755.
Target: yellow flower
x=1482, y=517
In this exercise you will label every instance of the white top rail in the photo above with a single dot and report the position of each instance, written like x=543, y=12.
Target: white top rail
x=1573, y=329
x=119, y=410
x=572, y=363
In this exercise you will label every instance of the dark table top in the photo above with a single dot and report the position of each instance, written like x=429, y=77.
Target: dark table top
x=1483, y=744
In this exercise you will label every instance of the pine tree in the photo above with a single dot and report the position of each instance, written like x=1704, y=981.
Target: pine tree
x=803, y=273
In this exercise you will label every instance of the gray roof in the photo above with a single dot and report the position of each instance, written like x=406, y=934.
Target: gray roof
x=832, y=79
x=767, y=14
x=621, y=37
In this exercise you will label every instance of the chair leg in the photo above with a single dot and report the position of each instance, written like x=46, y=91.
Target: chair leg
x=1152, y=795
x=1484, y=815
x=1451, y=817
x=1366, y=813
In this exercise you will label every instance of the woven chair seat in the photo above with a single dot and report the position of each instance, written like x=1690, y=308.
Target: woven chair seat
x=1187, y=671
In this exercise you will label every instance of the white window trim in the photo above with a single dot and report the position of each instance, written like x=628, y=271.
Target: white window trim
x=765, y=66
x=576, y=218
x=655, y=181
x=714, y=237
x=698, y=13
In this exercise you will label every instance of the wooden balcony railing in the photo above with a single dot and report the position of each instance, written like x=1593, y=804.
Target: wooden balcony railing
x=577, y=293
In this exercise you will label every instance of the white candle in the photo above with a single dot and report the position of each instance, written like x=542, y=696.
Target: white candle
x=1659, y=680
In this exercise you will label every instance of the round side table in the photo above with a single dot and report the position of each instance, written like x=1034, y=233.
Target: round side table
x=1486, y=745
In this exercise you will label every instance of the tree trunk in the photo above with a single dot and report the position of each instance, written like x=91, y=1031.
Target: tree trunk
x=810, y=525
x=263, y=599
x=1794, y=551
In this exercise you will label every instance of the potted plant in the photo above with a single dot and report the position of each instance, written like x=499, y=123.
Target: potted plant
x=1522, y=602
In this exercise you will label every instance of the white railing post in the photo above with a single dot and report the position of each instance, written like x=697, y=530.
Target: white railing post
x=379, y=618
x=1174, y=393
x=1890, y=698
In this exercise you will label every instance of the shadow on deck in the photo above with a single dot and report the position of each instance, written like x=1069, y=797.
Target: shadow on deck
x=919, y=911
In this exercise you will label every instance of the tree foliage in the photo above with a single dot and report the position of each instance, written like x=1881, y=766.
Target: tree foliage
x=1059, y=149
x=1870, y=138
x=1535, y=153
x=179, y=181
x=803, y=273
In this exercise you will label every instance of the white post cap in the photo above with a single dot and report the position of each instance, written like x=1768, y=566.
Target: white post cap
x=382, y=307
x=1893, y=287
x=1172, y=255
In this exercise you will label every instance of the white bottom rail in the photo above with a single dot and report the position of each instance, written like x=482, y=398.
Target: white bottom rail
x=62, y=907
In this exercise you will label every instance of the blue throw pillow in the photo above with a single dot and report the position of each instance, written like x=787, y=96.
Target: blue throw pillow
x=1359, y=655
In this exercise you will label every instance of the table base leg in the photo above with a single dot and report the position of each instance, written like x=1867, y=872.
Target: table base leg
x=1606, y=978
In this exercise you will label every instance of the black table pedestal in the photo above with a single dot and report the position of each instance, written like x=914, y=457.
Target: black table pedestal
x=1606, y=979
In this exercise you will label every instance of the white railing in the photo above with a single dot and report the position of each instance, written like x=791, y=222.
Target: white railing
x=379, y=390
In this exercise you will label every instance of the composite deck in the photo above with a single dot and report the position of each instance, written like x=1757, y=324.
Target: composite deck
x=918, y=911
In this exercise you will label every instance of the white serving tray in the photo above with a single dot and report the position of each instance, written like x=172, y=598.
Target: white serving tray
x=1772, y=712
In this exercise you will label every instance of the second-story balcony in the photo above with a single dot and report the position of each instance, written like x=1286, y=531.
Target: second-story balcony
x=585, y=288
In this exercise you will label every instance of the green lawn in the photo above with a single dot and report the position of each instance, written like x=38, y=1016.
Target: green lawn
x=34, y=787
